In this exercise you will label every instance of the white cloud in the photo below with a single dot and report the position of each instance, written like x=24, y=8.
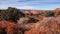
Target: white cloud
x=23, y=7
x=19, y=7
x=27, y=4
x=26, y=7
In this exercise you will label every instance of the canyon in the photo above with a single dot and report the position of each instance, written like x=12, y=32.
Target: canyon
x=17, y=21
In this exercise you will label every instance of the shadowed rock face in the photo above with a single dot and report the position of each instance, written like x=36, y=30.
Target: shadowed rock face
x=32, y=20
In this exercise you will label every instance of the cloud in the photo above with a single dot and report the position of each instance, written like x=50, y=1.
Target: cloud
x=30, y=4
x=26, y=7
x=16, y=6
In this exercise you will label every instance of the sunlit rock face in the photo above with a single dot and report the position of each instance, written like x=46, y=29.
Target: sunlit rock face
x=57, y=11
x=25, y=24
x=7, y=27
x=49, y=25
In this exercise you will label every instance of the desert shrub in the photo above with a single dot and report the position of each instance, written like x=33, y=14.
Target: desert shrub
x=48, y=13
x=58, y=13
x=11, y=14
x=14, y=14
x=2, y=14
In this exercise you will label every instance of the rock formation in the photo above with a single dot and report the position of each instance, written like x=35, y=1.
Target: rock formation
x=15, y=21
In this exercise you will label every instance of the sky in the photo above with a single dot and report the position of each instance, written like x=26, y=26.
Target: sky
x=30, y=4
